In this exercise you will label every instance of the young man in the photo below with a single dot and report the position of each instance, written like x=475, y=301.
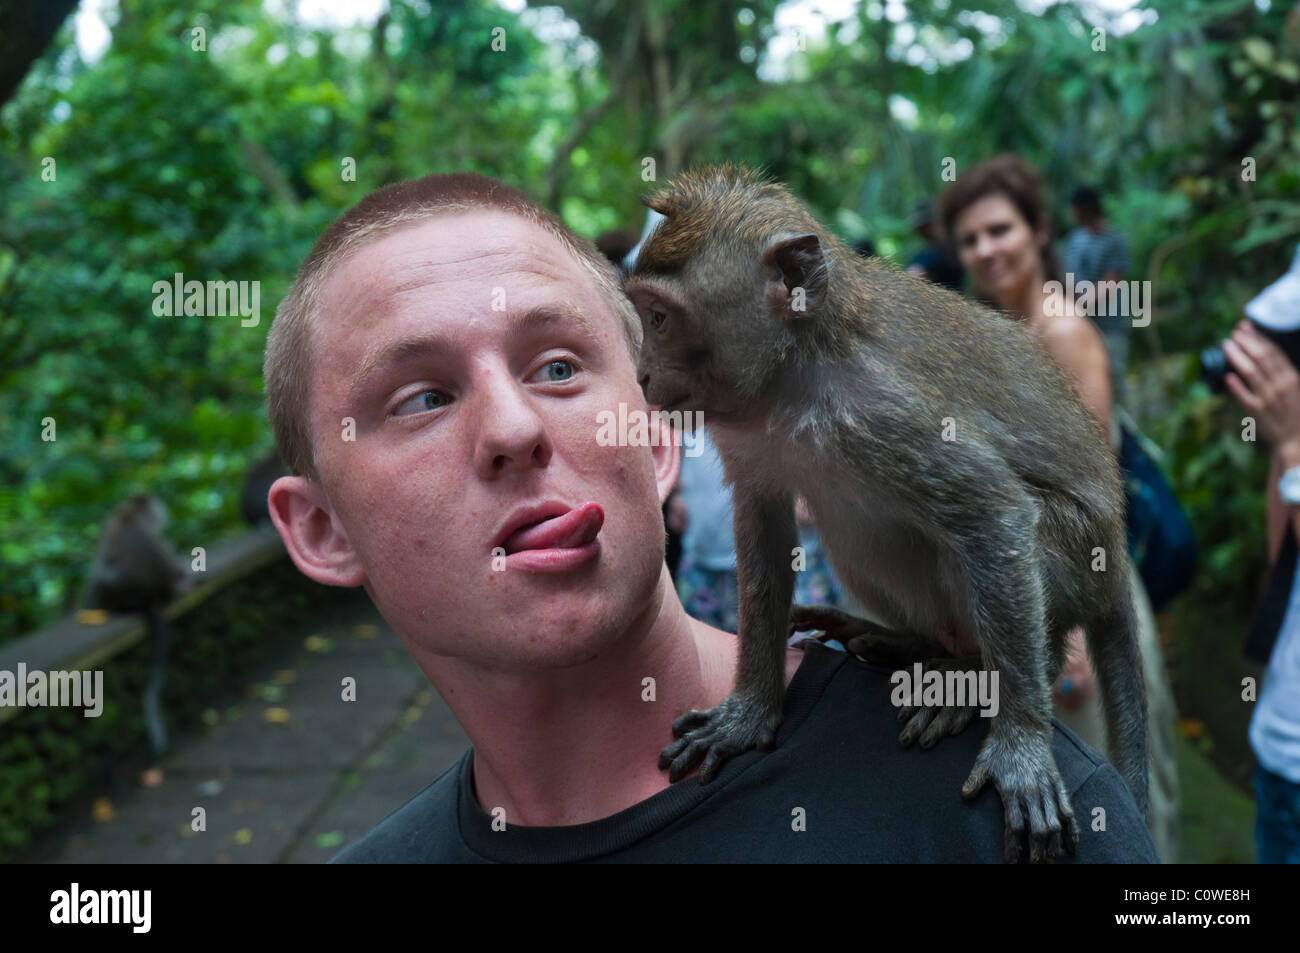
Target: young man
x=436, y=378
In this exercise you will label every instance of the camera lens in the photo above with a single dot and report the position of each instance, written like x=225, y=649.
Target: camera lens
x=1214, y=368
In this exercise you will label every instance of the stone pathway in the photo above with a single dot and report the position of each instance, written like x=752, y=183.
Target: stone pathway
x=286, y=771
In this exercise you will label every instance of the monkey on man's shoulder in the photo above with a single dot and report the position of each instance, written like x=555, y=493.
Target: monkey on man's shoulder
x=957, y=481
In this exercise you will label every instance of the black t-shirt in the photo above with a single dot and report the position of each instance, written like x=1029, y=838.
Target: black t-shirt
x=865, y=798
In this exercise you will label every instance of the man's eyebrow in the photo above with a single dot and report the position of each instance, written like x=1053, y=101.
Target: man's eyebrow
x=532, y=321
x=545, y=316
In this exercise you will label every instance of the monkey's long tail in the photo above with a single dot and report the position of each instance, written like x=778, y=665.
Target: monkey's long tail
x=1113, y=645
x=153, y=714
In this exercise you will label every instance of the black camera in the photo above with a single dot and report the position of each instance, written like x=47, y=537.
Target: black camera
x=1215, y=366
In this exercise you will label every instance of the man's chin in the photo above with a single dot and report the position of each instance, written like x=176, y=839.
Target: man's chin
x=557, y=629
x=548, y=647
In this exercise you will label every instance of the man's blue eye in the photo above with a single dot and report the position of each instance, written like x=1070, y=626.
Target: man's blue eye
x=564, y=367
x=423, y=401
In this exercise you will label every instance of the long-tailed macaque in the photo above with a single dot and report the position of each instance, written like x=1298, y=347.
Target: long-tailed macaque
x=957, y=481
x=136, y=570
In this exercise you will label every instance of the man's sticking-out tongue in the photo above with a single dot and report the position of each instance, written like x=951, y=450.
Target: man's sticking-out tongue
x=576, y=528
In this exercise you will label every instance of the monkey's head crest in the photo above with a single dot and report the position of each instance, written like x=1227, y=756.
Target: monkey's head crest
x=701, y=206
x=705, y=186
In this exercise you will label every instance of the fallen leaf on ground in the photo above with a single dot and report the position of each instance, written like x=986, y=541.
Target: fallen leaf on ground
x=151, y=778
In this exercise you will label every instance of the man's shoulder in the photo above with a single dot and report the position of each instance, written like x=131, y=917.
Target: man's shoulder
x=863, y=681
x=408, y=834
x=857, y=719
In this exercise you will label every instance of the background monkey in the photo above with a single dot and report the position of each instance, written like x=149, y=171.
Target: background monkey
x=835, y=377
x=136, y=570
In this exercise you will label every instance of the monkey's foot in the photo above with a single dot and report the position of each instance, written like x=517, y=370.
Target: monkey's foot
x=1034, y=800
x=736, y=725
x=930, y=723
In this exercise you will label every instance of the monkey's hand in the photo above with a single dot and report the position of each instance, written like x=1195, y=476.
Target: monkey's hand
x=1034, y=800
x=933, y=722
x=738, y=724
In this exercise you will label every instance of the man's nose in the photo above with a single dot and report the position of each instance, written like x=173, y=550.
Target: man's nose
x=512, y=433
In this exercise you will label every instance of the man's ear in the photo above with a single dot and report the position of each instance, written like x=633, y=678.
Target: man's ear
x=666, y=453
x=317, y=543
x=796, y=274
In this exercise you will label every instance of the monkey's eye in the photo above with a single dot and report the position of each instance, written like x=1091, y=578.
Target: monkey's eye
x=657, y=318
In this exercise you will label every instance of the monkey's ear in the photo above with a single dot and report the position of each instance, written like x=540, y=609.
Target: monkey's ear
x=796, y=271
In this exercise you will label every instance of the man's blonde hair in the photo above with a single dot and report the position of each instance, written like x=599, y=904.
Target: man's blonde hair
x=290, y=357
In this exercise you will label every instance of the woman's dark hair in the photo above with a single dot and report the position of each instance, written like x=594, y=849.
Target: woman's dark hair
x=1005, y=174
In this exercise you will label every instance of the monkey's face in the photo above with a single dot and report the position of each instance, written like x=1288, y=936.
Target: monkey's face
x=726, y=288
x=147, y=511
x=688, y=362
x=676, y=353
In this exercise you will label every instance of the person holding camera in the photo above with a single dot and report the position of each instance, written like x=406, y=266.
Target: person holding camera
x=1265, y=381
